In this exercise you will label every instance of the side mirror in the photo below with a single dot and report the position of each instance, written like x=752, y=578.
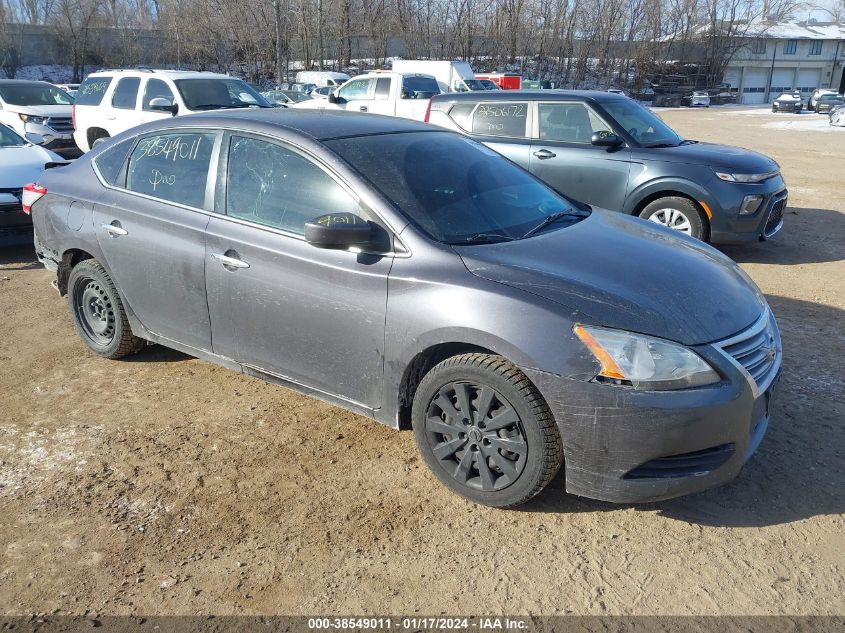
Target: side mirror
x=605, y=139
x=163, y=104
x=36, y=139
x=338, y=231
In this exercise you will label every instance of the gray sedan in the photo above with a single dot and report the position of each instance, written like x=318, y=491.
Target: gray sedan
x=417, y=277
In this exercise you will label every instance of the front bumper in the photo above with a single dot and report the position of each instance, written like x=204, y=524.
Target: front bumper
x=15, y=225
x=629, y=446
x=727, y=226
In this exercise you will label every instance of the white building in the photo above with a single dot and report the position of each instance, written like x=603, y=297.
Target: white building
x=788, y=56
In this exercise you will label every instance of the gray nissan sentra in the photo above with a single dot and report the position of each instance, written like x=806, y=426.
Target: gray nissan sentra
x=414, y=276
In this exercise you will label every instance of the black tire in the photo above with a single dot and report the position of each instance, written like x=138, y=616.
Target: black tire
x=686, y=213
x=98, y=314
x=521, y=455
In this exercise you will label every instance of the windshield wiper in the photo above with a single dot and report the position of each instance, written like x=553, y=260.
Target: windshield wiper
x=657, y=145
x=554, y=217
x=487, y=238
x=219, y=106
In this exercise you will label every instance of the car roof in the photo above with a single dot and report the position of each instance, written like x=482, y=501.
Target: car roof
x=315, y=125
x=9, y=82
x=173, y=74
x=599, y=96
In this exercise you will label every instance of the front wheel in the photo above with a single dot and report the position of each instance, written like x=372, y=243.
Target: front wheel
x=485, y=431
x=97, y=312
x=679, y=214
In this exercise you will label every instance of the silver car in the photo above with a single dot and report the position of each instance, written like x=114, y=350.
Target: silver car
x=417, y=277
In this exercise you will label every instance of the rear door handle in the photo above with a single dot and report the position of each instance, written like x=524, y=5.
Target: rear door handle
x=544, y=154
x=114, y=231
x=363, y=108
x=229, y=262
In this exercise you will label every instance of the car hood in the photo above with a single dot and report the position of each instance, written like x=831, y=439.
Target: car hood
x=22, y=165
x=621, y=272
x=737, y=159
x=44, y=110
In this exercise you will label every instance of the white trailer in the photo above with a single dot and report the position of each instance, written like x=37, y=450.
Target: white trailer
x=452, y=76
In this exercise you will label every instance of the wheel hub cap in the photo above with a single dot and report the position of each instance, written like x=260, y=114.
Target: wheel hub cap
x=476, y=435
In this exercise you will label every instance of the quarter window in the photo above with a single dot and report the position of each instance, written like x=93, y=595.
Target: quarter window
x=126, y=93
x=276, y=187
x=156, y=89
x=501, y=119
x=173, y=167
x=92, y=90
x=569, y=122
x=112, y=161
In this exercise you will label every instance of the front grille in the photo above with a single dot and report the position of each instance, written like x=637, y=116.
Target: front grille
x=757, y=350
x=775, y=217
x=683, y=465
x=60, y=124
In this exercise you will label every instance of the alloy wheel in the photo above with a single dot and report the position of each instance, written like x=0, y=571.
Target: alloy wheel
x=673, y=219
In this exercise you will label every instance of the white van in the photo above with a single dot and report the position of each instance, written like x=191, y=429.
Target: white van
x=453, y=76
x=321, y=78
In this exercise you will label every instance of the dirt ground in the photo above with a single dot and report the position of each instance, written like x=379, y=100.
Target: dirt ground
x=165, y=485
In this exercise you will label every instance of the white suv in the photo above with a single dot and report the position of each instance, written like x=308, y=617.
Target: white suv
x=38, y=111
x=111, y=101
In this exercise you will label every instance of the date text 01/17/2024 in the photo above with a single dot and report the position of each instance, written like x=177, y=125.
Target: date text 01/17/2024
x=419, y=623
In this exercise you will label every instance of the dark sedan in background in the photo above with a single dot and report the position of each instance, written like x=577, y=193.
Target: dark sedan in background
x=788, y=102
x=607, y=150
x=514, y=329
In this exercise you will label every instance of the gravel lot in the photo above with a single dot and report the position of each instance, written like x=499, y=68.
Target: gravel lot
x=165, y=485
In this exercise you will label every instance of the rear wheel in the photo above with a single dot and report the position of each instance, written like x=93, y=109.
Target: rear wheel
x=679, y=214
x=98, y=314
x=485, y=431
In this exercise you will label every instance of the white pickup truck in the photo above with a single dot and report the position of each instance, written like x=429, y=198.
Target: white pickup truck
x=404, y=95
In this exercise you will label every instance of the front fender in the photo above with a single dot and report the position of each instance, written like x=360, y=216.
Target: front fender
x=669, y=186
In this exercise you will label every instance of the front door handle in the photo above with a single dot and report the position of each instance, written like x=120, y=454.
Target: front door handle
x=544, y=154
x=363, y=108
x=229, y=262
x=114, y=230
x=110, y=117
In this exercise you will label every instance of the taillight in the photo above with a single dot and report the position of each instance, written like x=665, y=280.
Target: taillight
x=428, y=110
x=32, y=193
x=73, y=116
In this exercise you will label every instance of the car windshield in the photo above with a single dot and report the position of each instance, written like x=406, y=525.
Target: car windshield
x=296, y=96
x=34, y=94
x=454, y=189
x=9, y=139
x=836, y=98
x=474, y=84
x=643, y=125
x=214, y=93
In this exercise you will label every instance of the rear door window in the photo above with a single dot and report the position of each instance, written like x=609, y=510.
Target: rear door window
x=156, y=89
x=569, y=122
x=172, y=167
x=126, y=93
x=92, y=90
x=501, y=119
x=382, y=88
x=419, y=87
x=272, y=185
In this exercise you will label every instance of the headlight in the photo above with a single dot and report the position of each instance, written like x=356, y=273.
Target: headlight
x=28, y=118
x=747, y=177
x=644, y=362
